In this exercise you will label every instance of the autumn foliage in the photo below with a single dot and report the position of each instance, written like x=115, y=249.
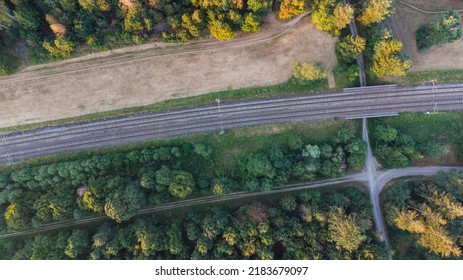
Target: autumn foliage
x=291, y=8
x=374, y=11
x=308, y=71
x=331, y=16
x=429, y=213
x=387, y=59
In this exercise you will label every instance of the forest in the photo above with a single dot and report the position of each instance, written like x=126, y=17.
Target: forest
x=425, y=217
x=309, y=225
x=118, y=184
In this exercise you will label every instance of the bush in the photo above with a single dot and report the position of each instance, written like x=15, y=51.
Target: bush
x=445, y=29
x=60, y=48
x=393, y=148
x=434, y=149
x=8, y=63
x=308, y=71
x=182, y=184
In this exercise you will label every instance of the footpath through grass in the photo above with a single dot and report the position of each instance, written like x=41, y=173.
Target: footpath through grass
x=289, y=88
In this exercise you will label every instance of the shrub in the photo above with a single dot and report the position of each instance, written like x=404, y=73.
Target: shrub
x=308, y=71
x=445, y=29
x=8, y=63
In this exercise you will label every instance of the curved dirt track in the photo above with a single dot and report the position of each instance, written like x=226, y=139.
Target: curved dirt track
x=155, y=72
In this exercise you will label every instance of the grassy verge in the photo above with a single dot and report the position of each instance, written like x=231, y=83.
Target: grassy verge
x=445, y=128
x=419, y=78
x=288, y=88
x=228, y=147
x=343, y=79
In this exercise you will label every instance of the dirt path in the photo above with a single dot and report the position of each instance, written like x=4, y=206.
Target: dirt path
x=154, y=72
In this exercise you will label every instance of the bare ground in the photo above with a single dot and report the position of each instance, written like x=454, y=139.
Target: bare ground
x=155, y=72
x=406, y=21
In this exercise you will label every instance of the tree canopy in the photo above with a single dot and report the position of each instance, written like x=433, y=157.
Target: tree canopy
x=445, y=29
x=426, y=217
x=310, y=225
x=387, y=59
x=374, y=11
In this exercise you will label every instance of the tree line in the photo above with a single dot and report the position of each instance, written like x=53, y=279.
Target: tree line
x=381, y=50
x=58, y=28
x=119, y=184
x=310, y=225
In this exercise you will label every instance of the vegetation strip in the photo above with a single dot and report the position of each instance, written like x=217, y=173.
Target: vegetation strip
x=311, y=225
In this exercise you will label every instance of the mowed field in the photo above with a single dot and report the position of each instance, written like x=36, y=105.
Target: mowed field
x=155, y=72
x=406, y=21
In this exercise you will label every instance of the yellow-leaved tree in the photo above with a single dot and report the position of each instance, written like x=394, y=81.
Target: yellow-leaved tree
x=251, y=23
x=387, y=59
x=429, y=219
x=330, y=16
x=342, y=15
x=351, y=47
x=219, y=29
x=374, y=11
x=291, y=8
x=57, y=27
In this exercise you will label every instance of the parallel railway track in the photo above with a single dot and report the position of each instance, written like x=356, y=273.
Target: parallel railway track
x=123, y=130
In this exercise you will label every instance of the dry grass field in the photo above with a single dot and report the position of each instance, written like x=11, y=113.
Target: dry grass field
x=155, y=72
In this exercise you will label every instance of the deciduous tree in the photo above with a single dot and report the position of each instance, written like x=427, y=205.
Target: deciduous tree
x=182, y=184
x=351, y=47
x=330, y=16
x=387, y=59
x=251, y=23
x=374, y=11
x=344, y=231
x=291, y=8
x=308, y=71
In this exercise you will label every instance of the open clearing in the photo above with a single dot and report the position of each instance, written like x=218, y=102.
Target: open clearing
x=155, y=72
x=406, y=21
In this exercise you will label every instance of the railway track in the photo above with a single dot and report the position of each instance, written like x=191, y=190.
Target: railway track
x=226, y=108
x=358, y=101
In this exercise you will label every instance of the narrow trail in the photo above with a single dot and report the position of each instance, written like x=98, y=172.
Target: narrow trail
x=360, y=61
x=370, y=170
x=143, y=52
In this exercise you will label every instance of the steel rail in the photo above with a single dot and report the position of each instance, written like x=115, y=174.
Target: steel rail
x=210, y=125
x=211, y=112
